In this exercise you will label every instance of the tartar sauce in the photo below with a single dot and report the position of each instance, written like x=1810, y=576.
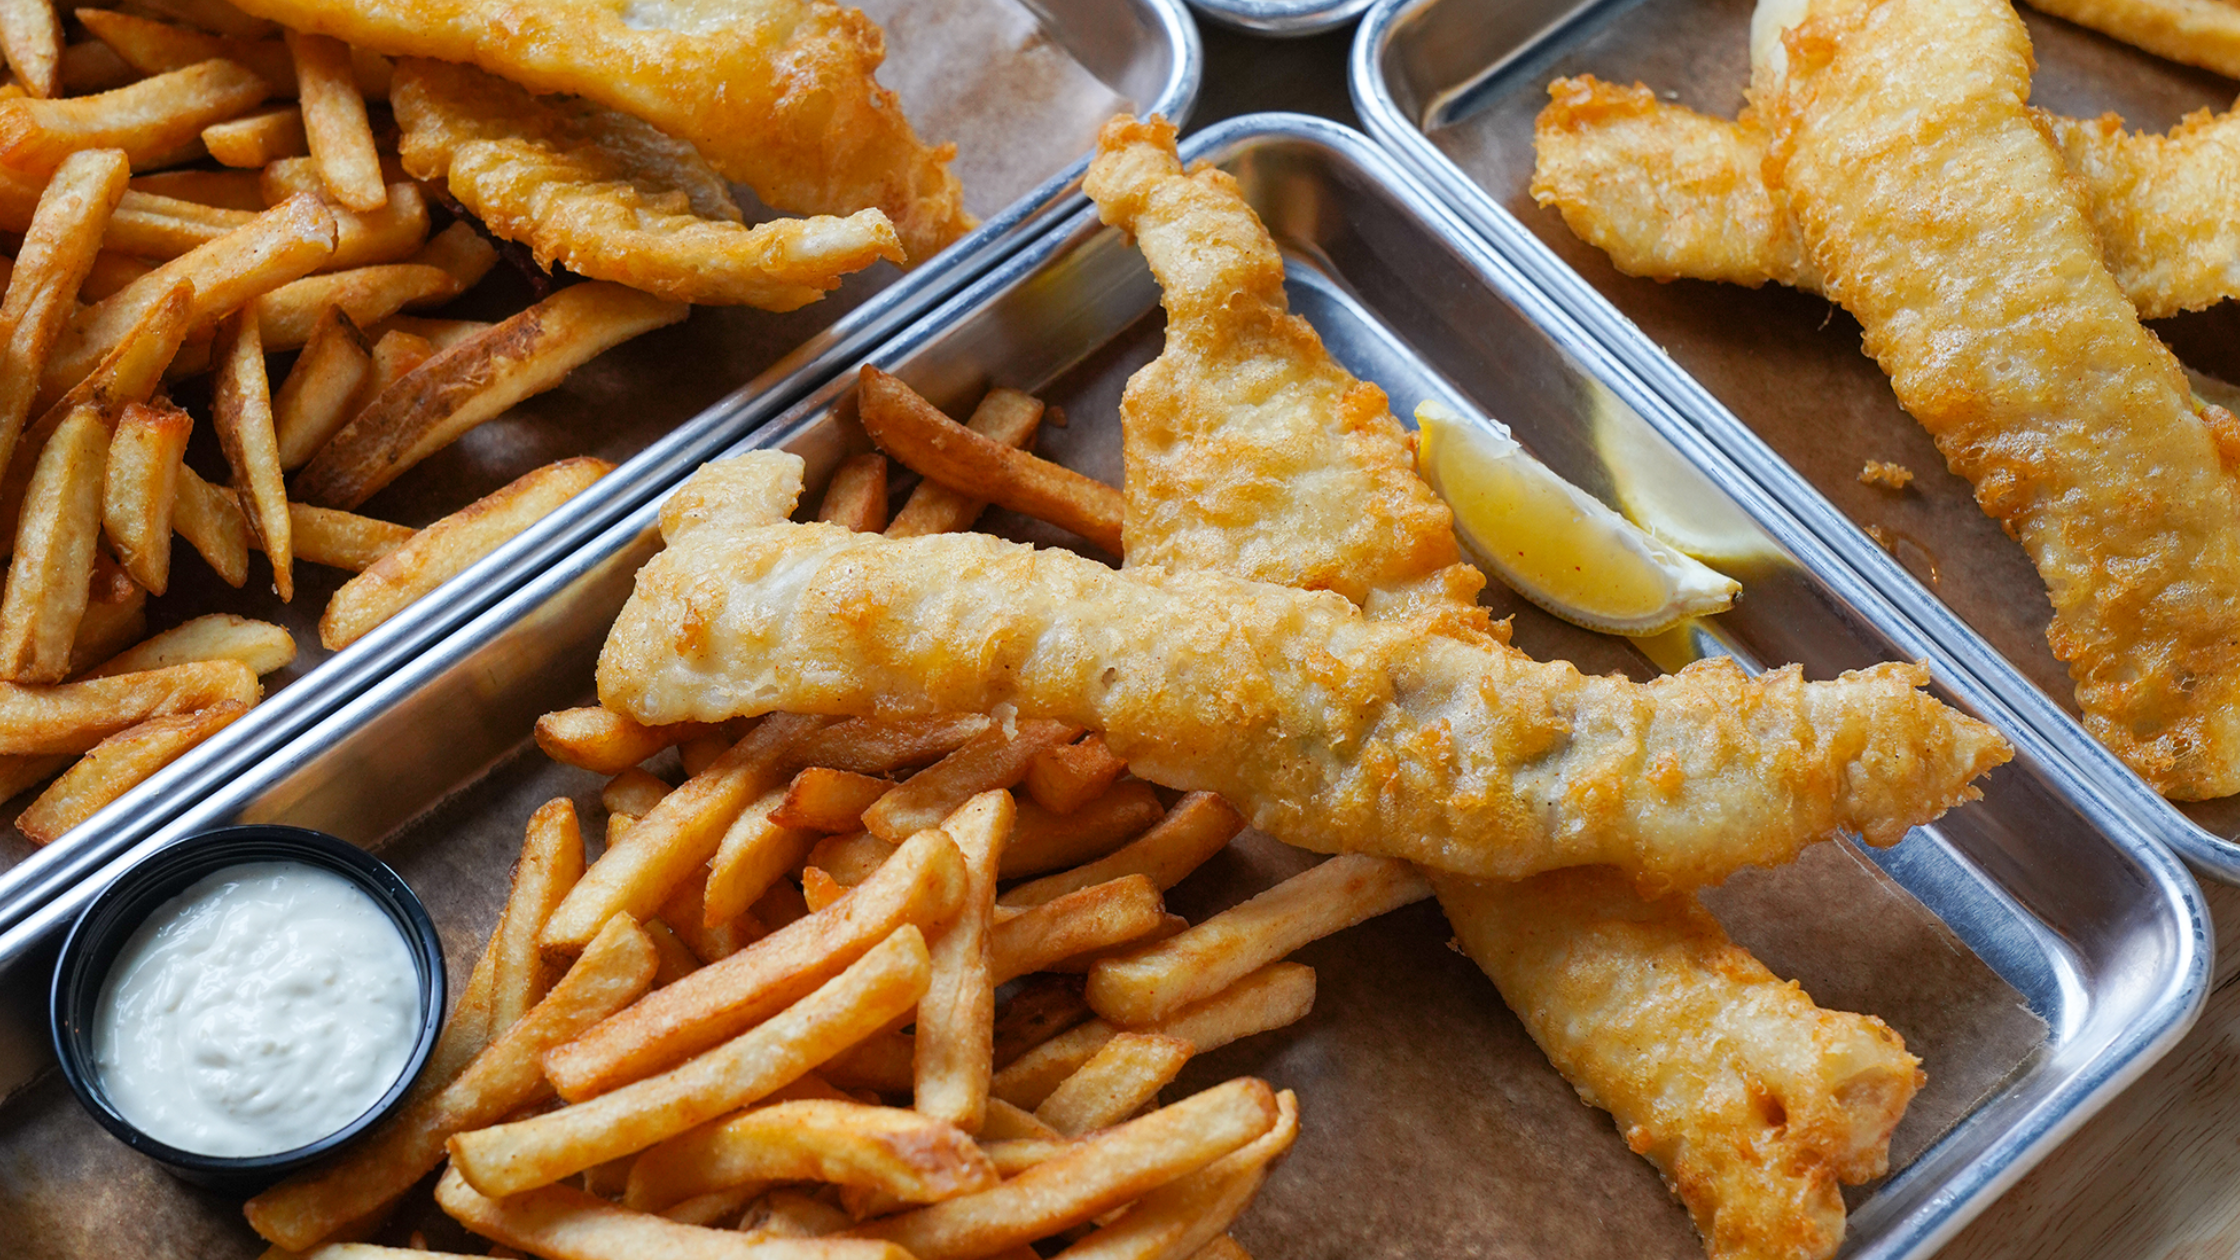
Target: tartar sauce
x=267, y=1006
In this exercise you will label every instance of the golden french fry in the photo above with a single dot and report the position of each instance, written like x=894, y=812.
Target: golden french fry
x=1090, y=1178
x=140, y=487
x=447, y=548
x=46, y=591
x=1124, y=1074
x=440, y=334
x=685, y=911
x=211, y=520
x=150, y=47
x=849, y=859
x=394, y=233
x=110, y=273
x=1040, y=1008
x=1047, y=841
x=1200, y=825
x=993, y=759
x=395, y=353
x=290, y=240
x=343, y=540
x=753, y=856
x=551, y=862
x=881, y=1064
x=604, y=741
x=913, y=1157
x=507, y=1159
x=299, y=1212
x=215, y=16
x=564, y=1223
x=676, y=960
x=1152, y=984
x=334, y=121
x=309, y=407
x=463, y=252
x=929, y=443
x=152, y=225
x=150, y=120
x=1006, y=417
x=856, y=496
x=477, y=380
x=1095, y=918
x=1006, y=1123
x=73, y=717
x=108, y=629
x=260, y=645
x=254, y=141
x=823, y=799
x=244, y=422
x=701, y=751
x=923, y=886
x=884, y=745
x=953, y=1045
x=289, y=313
x=218, y=190
x=31, y=36
x=1272, y=997
x=1064, y=779
x=59, y=248
x=118, y=764
x=1186, y=1216
x=632, y=791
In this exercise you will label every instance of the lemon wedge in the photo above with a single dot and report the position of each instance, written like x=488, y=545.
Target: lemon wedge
x=1670, y=497
x=1554, y=543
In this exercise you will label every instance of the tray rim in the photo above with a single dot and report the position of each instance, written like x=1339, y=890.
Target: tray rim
x=54, y=870
x=2169, y=1010
x=1282, y=19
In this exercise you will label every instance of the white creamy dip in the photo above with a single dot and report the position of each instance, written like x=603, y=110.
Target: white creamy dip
x=267, y=1006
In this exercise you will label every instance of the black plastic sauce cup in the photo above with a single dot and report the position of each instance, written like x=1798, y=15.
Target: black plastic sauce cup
x=109, y=922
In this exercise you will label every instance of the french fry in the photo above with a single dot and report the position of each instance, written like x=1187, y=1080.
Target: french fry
x=1041, y=1008
x=1006, y=1123
x=1187, y=1215
x=1047, y=841
x=474, y=381
x=680, y=834
x=394, y=233
x=220, y=190
x=1089, y=1179
x=1222, y=1248
x=1331, y=896
x=785, y=1213
x=753, y=856
x=954, y=1042
x=46, y=591
x=151, y=47
x=923, y=886
x=108, y=629
x=110, y=273
x=884, y=745
x=507, y=1159
x=632, y=791
x=149, y=120
x=550, y=864
x=140, y=488
x=685, y=910
x=31, y=37
x=288, y=241
x=604, y=741
x=849, y=859
x=856, y=496
x=993, y=759
x=929, y=443
x=92, y=66
x=211, y=520
x=1094, y=918
x=781, y=906
x=73, y=717
x=151, y=225
x=1200, y=825
x=289, y=313
x=334, y=120
x=215, y=16
x=309, y=407
x=299, y=1212
x=823, y=799
x=118, y=764
x=59, y=248
x=913, y=1157
x=243, y=411
x=1065, y=778
x=676, y=960
x=440, y=334
x=1124, y=1074
x=1006, y=417
x=564, y=1223
x=819, y=890
x=716, y=1205
x=445, y=549
x=395, y=353
x=343, y=540
x=254, y=141
x=260, y=645
x=882, y=1064
x=1272, y=997
x=701, y=751
x=463, y=252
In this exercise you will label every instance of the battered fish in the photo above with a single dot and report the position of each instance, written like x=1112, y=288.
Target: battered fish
x=612, y=198
x=1942, y=216
x=1672, y=194
x=1330, y=731
x=778, y=94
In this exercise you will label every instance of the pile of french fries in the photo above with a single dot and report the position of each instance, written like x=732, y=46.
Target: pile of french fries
x=190, y=190
x=868, y=987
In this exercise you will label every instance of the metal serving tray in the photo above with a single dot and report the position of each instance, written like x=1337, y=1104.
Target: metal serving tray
x=2034, y=947
x=1776, y=378
x=1282, y=18
x=635, y=407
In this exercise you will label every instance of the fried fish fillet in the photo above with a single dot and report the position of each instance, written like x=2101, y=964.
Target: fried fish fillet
x=1942, y=216
x=1248, y=449
x=1754, y=1102
x=2203, y=33
x=1330, y=731
x=1672, y=194
x=778, y=94
x=611, y=198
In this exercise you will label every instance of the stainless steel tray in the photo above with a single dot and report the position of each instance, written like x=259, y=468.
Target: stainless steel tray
x=636, y=408
x=1410, y=1064
x=1452, y=86
x=1282, y=18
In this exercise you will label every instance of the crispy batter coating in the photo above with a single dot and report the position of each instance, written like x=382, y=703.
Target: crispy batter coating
x=612, y=198
x=2203, y=33
x=778, y=94
x=1328, y=730
x=1752, y=1101
x=1672, y=194
x=1943, y=217
x=1249, y=450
